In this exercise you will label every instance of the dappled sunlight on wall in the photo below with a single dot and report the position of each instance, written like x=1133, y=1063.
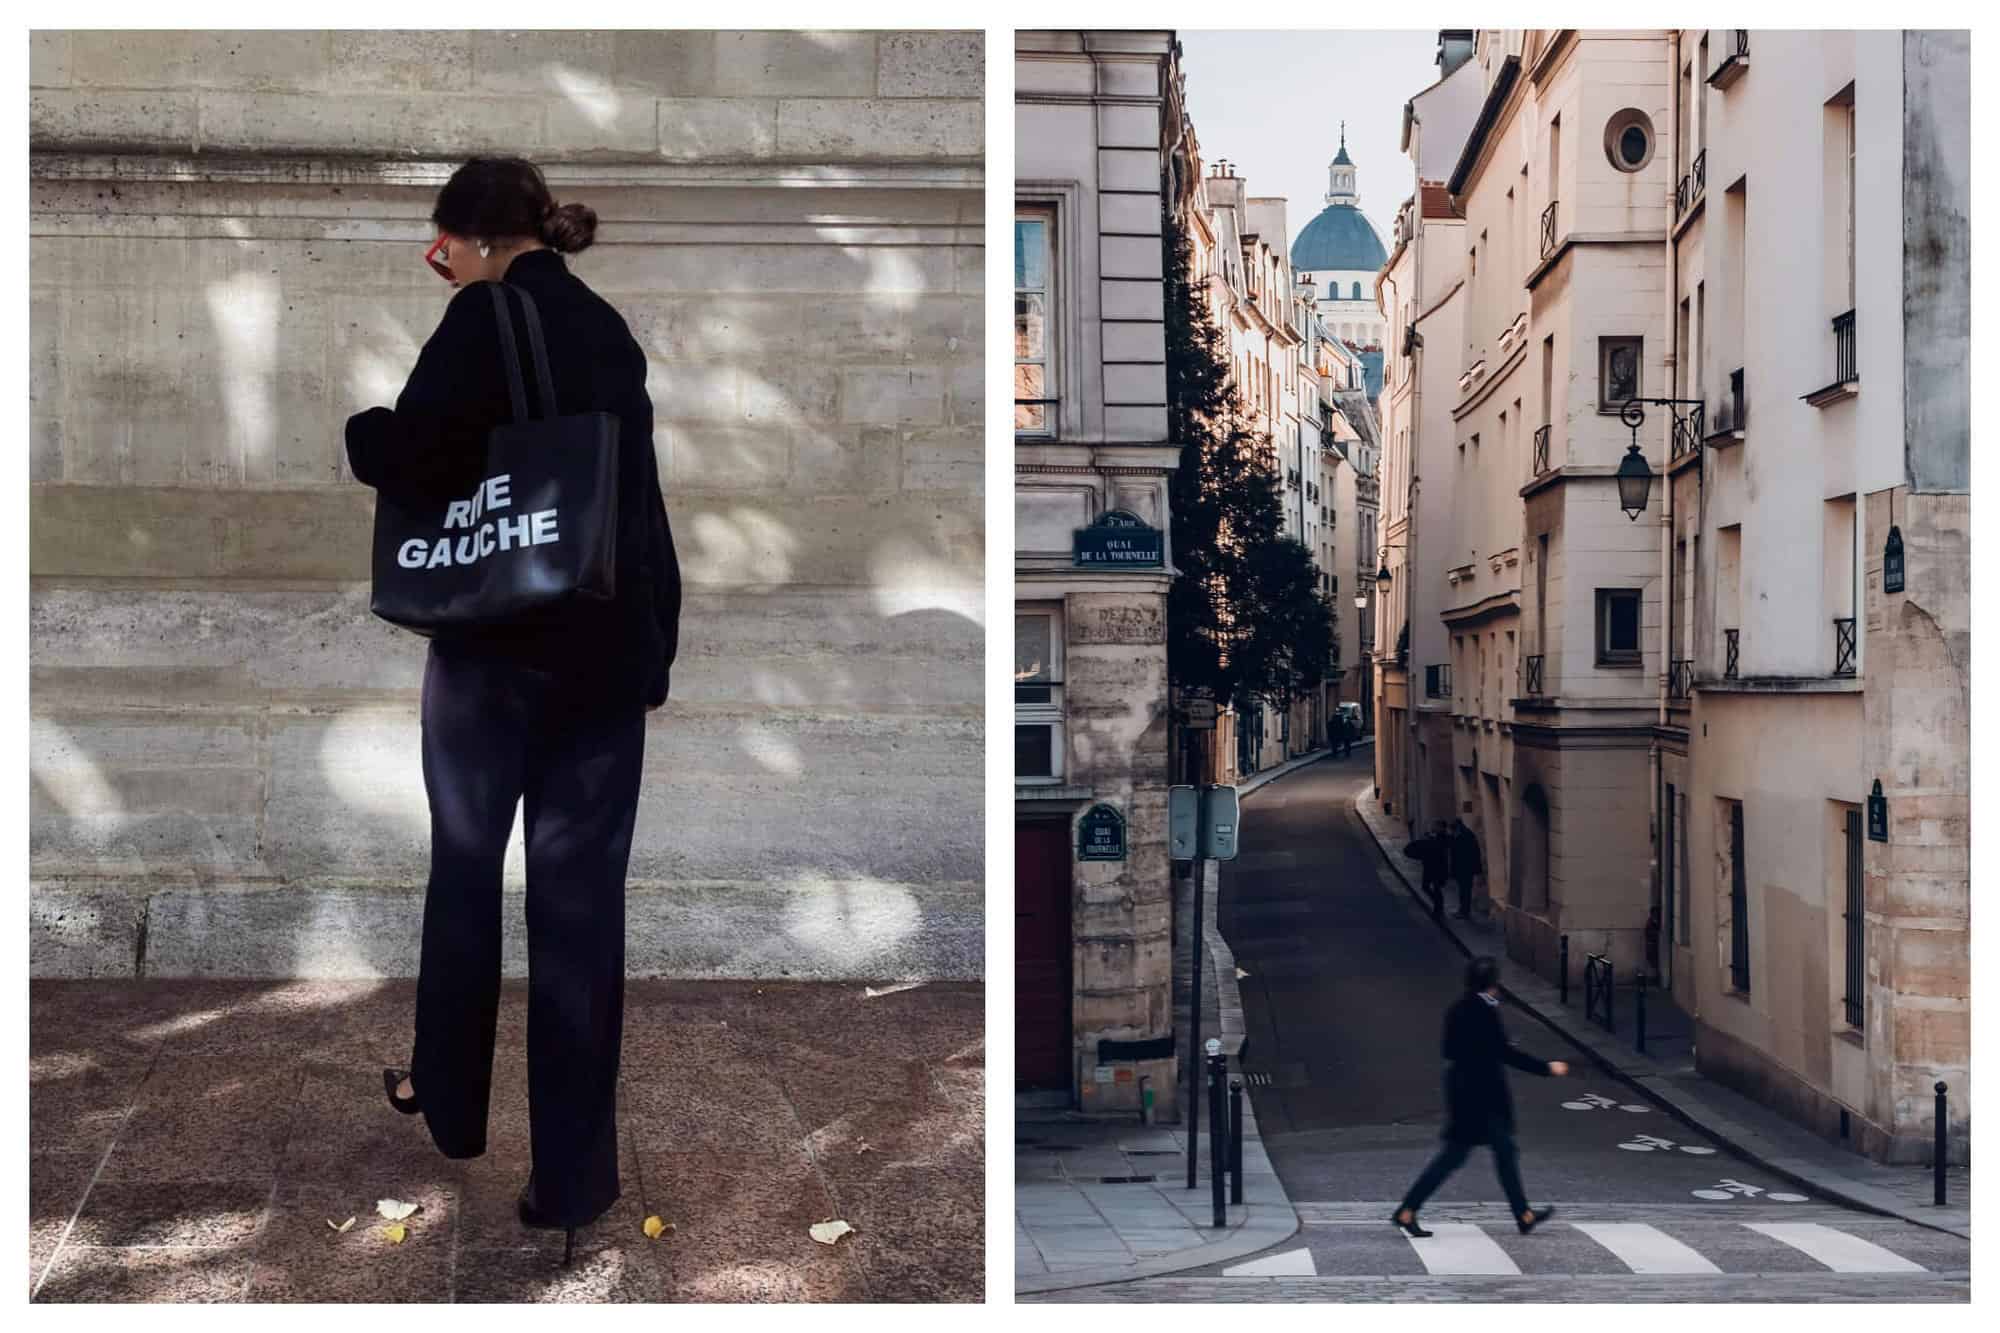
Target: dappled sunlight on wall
x=907, y=578
x=742, y=545
x=243, y=312
x=589, y=93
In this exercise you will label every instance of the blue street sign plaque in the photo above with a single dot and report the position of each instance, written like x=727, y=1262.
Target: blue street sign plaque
x=1119, y=539
x=1100, y=834
x=1878, y=814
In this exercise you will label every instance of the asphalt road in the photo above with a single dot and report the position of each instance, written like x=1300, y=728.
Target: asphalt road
x=1347, y=980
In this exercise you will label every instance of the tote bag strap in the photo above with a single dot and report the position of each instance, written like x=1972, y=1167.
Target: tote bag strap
x=516, y=391
x=545, y=383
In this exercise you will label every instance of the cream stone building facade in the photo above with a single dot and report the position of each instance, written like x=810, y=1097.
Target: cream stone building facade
x=1818, y=276
x=1101, y=163
x=1667, y=732
x=226, y=233
x=1421, y=294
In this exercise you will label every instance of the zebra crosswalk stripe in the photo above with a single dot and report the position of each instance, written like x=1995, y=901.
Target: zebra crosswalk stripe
x=1645, y=1249
x=1462, y=1249
x=1836, y=1249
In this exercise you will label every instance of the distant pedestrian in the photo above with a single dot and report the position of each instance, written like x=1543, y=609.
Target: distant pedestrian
x=1333, y=731
x=1465, y=865
x=1433, y=852
x=1477, y=1106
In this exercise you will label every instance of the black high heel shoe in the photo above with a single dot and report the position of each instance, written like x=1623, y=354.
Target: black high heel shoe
x=1540, y=1216
x=1409, y=1228
x=532, y=1216
x=407, y=1105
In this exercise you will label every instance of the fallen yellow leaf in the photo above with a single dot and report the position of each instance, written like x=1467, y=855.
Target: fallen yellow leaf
x=826, y=1233
x=394, y=1209
x=341, y=1226
x=655, y=1228
x=395, y=1232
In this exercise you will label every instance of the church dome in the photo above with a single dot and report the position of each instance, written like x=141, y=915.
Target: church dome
x=1340, y=238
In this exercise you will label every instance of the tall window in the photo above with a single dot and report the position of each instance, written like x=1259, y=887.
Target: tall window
x=1038, y=694
x=1617, y=372
x=1670, y=849
x=1854, y=1010
x=1617, y=627
x=1739, y=903
x=1681, y=815
x=1034, y=311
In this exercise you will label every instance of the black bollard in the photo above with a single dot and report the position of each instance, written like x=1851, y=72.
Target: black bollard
x=1218, y=1138
x=1563, y=981
x=1639, y=998
x=1236, y=1140
x=1937, y=1149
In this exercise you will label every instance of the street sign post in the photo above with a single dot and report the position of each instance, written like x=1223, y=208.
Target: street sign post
x=1183, y=822
x=1215, y=818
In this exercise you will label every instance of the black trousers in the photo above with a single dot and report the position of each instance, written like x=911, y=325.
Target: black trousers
x=1452, y=1156
x=496, y=734
x=1464, y=895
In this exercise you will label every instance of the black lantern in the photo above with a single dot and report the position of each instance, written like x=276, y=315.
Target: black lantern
x=1635, y=483
x=1382, y=579
x=1892, y=561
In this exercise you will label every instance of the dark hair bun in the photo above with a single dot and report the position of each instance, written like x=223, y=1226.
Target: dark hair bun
x=570, y=228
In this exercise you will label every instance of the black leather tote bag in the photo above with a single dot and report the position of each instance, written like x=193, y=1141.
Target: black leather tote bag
x=539, y=534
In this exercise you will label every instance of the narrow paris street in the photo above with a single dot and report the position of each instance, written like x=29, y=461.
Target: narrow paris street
x=1347, y=981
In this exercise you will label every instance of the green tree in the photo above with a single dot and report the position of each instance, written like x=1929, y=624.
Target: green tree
x=1246, y=616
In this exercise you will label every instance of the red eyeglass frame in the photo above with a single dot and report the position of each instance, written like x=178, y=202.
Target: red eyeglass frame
x=430, y=257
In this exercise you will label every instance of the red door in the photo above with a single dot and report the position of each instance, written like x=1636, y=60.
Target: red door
x=1041, y=956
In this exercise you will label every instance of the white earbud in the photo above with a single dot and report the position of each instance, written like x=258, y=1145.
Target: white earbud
x=484, y=249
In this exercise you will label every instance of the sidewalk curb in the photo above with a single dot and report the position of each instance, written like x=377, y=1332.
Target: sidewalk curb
x=1650, y=1081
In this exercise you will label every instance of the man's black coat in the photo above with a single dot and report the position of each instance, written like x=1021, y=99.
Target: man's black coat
x=1478, y=1108
x=1435, y=856
x=432, y=446
x=1465, y=861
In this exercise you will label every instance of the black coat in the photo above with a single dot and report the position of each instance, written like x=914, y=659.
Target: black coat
x=1477, y=1106
x=1465, y=861
x=432, y=446
x=1435, y=855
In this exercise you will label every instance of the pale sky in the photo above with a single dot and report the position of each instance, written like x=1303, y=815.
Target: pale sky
x=1272, y=103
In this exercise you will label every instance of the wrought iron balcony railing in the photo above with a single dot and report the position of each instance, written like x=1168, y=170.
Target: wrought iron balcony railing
x=1844, y=369
x=1735, y=58
x=1541, y=450
x=1680, y=678
x=1531, y=675
x=1549, y=229
x=1692, y=184
x=1687, y=432
x=1844, y=645
x=1729, y=647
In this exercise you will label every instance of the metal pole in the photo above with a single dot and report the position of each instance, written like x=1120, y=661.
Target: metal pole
x=1639, y=998
x=1937, y=1149
x=1194, y=1016
x=1563, y=984
x=1236, y=1140
x=1218, y=1144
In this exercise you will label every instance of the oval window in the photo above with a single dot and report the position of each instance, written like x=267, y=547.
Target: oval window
x=1628, y=140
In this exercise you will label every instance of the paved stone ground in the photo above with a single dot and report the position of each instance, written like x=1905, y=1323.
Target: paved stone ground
x=189, y=1141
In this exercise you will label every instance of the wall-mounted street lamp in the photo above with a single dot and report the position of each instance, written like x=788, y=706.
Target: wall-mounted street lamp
x=1382, y=576
x=1635, y=477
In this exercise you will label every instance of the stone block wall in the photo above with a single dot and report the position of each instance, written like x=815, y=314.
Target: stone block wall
x=225, y=234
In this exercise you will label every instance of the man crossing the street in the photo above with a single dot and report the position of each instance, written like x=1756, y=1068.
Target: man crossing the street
x=1478, y=1108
